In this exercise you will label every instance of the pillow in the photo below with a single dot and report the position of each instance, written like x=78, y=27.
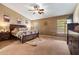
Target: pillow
x=15, y=30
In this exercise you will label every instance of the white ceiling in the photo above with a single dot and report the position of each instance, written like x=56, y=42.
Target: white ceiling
x=51, y=9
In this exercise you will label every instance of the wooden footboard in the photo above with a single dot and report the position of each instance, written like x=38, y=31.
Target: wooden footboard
x=29, y=37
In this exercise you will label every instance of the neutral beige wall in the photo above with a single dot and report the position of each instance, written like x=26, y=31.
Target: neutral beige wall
x=34, y=25
x=12, y=14
x=48, y=26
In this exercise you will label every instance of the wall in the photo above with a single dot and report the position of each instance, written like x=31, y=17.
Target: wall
x=14, y=16
x=76, y=14
x=48, y=26
x=34, y=25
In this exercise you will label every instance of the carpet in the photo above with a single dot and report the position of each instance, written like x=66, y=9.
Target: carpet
x=45, y=46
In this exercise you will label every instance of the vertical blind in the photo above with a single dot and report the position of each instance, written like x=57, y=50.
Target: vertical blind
x=61, y=26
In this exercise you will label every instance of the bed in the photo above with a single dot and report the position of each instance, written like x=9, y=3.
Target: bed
x=21, y=33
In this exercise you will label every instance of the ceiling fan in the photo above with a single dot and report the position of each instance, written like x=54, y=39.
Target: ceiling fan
x=37, y=9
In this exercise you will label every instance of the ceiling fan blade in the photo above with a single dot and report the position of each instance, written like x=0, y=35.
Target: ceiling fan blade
x=41, y=9
x=41, y=12
x=31, y=10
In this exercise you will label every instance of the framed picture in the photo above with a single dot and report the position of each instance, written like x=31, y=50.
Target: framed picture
x=6, y=18
x=18, y=22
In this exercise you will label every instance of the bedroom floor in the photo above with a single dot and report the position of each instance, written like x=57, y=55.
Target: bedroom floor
x=45, y=45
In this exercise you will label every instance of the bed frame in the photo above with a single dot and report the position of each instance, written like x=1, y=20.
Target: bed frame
x=26, y=37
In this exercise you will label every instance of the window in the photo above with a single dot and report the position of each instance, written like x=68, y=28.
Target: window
x=61, y=26
x=69, y=21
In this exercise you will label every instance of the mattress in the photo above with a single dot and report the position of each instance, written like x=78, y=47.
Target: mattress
x=21, y=33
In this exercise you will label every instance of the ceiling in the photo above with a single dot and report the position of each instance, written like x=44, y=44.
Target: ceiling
x=51, y=9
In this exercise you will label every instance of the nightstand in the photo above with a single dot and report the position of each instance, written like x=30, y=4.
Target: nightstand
x=4, y=35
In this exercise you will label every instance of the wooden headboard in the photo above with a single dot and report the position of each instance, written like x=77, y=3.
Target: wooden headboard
x=13, y=26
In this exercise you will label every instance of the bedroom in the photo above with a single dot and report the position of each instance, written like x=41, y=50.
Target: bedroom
x=35, y=28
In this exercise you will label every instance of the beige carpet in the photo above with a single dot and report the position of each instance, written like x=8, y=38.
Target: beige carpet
x=5, y=43
x=44, y=46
